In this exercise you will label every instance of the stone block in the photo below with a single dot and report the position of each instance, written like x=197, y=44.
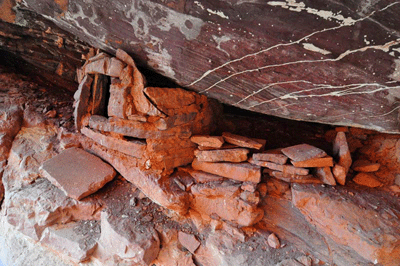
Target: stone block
x=273, y=241
x=291, y=178
x=118, y=101
x=326, y=176
x=231, y=155
x=274, y=156
x=287, y=169
x=135, y=148
x=82, y=97
x=339, y=172
x=341, y=151
x=225, y=146
x=241, y=141
x=203, y=177
x=316, y=162
x=365, y=166
x=208, y=141
x=77, y=172
x=303, y=152
x=105, y=65
x=136, y=129
x=189, y=241
x=238, y=171
x=367, y=179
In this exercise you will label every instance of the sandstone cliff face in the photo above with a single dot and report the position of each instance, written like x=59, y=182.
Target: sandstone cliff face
x=247, y=195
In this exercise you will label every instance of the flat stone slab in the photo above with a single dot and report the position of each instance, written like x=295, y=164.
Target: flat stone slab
x=237, y=171
x=274, y=156
x=367, y=179
x=135, y=148
x=303, y=152
x=136, y=129
x=365, y=166
x=242, y=141
x=287, y=169
x=225, y=146
x=208, y=141
x=290, y=178
x=77, y=172
x=315, y=162
x=230, y=155
x=203, y=177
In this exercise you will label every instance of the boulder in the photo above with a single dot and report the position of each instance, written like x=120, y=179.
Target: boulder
x=77, y=240
x=39, y=205
x=31, y=147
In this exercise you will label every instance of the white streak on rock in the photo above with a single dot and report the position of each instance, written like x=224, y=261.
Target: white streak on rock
x=385, y=47
x=218, y=13
x=313, y=48
x=208, y=72
x=292, y=5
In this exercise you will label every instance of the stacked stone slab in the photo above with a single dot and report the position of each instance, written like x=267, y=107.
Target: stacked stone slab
x=225, y=183
x=305, y=163
x=142, y=131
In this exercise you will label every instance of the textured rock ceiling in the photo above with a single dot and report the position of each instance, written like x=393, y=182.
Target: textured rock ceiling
x=335, y=62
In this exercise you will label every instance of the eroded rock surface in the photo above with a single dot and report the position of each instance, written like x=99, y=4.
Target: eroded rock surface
x=374, y=238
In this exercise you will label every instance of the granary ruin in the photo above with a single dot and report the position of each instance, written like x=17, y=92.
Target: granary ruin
x=128, y=137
